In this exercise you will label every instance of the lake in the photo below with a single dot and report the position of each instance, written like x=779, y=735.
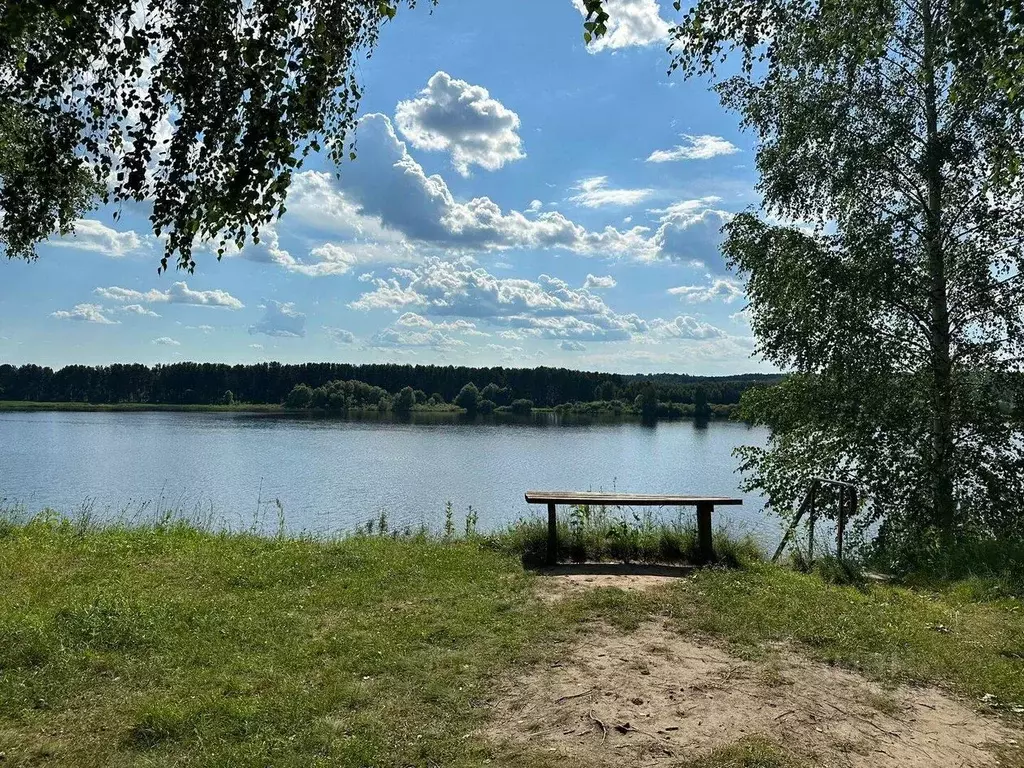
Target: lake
x=332, y=475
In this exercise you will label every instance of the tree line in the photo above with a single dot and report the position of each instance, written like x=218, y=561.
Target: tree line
x=211, y=383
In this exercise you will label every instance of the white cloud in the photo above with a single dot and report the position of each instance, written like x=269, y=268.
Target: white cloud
x=340, y=335
x=632, y=23
x=330, y=258
x=686, y=327
x=599, y=281
x=386, y=184
x=178, y=293
x=702, y=147
x=88, y=313
x=406, y=337
x=534, y=206
x=691, y=231
x=721, y=289
x=280, y=319
x=167, y=341
x=595, y=192
x=97, y=237
x=572, y=346
x=463, y=119
x=545, y=308
x=138, y=309
x=256, y=346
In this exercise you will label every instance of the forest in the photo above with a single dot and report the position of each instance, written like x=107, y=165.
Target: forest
x=216, y=383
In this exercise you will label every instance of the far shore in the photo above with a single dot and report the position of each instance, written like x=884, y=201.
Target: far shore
x=276, y=408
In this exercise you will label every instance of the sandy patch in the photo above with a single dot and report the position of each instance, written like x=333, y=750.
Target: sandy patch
x=563, y=581
x=652, y=698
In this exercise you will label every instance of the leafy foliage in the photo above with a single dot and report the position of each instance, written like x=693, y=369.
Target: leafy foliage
x=895, y=289
x=203, y=109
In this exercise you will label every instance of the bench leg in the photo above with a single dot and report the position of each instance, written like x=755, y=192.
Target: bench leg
x=706, y=551
x=552, y=536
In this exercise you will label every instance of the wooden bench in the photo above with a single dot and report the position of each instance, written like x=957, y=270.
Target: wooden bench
x=705, y=506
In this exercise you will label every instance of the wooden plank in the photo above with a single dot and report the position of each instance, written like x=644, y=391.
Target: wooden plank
x=704, y=545
x=552, y=536
x=625, y=499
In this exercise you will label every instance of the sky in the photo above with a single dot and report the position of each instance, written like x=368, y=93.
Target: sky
x=519, y=198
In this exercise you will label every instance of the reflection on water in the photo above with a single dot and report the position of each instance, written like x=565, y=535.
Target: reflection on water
x=333, y=474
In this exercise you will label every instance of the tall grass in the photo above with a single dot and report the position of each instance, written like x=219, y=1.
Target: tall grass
x=598, y=534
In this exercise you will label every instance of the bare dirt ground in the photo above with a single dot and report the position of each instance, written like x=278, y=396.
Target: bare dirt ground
x=560, y=582
x=655, y=698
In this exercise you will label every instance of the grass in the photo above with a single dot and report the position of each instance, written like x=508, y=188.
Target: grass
x=753, y=752
x=170, y=645
x=165, y=644
x=596, y=534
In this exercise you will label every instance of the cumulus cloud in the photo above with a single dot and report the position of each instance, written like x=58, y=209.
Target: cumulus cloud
x=167, y=341
x=409, y=337
x=87, y=313
x=572, y=346
x=721, y=289
x=544, y=308
x=386, y=210
x=691, y=230
x=138, y=309
x=702, y=147
x=599, y=281
x=330, y=258
x=595, y=192
x=386, y=184
x=632, y=23
x=454, y=116
x=97, y=237
x=686, y=327
x=280, y=319
x=178, y=293
x=340, y=335
x=413, y=320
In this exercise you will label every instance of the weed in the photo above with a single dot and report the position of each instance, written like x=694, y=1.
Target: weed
x=449, y=520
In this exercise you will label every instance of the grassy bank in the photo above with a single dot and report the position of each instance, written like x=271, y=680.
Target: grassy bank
x=170, y=645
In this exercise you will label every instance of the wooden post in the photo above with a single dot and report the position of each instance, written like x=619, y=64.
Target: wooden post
x=814, y=514
x=704, y=545
x=842, y=522
x=552, y=536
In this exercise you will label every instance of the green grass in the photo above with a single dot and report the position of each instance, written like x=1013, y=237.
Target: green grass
x=753, y=752
x=170, y=645
x=595, y=534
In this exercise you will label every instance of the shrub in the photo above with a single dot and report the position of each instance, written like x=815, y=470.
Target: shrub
x=301, y=396
x=522, y=406
x=405, y=400
x=468, y=398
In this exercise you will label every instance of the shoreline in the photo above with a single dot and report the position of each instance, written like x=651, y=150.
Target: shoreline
x=14, y=406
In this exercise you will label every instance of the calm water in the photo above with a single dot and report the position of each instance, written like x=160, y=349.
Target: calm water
x=333, y=475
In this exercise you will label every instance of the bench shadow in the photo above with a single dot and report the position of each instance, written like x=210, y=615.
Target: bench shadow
x=613, y=569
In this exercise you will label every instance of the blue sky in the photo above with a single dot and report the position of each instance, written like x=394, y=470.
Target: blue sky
x=518, y=200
